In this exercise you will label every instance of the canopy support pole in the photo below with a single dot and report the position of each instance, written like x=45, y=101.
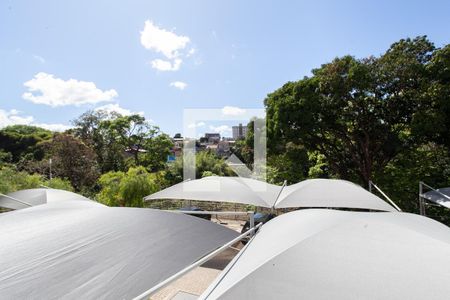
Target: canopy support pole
x=421, y=201
x=252, y=222
x=371, y=184
x=278, y=196
x=17, y=200
x=189, y=268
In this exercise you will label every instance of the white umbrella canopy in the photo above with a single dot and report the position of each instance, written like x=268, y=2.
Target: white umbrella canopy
x=80, y=250
x=330, y=254
x=32, y=197
x=222, y=189
x=438, y=198
x=330, y=193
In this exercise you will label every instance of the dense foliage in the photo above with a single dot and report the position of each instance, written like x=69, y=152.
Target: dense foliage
x=383, y=118
x=12, y=180
x=128, y=188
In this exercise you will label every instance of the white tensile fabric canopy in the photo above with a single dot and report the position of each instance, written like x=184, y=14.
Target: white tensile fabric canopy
x=308, y=193
x=84, y=250
x=331, y=254
x=222, y=189
x=437, y=197
x=32, y=197
x=334, y=193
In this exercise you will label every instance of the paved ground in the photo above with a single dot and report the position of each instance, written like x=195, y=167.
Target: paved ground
x=196, y=281
x=232, y=224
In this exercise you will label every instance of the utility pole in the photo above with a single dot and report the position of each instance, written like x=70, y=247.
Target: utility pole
x=50, y=163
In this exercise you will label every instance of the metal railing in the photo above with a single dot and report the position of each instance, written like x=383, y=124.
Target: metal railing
x=422, y=199
x=189, y=268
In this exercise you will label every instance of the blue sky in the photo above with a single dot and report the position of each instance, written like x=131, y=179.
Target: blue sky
x=61, y=58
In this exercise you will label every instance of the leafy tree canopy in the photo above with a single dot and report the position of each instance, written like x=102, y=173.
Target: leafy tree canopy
x=128, y=189
x=21, y=142
x=356, y=112
x=12, y=180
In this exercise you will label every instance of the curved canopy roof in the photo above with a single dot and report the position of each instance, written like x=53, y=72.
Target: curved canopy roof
x=308, y=193
x=330, y=254
x=32, y=197
x=81, y=250
x=438, y=197
x=330, y=193
x=222, y=189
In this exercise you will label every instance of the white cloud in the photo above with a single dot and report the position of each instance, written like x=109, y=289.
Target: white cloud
x=232, y=111
x=162, y=41
x=109, y=108
x=173, y=47
x=191, y=52
x=53, y=127
x=166, y=65
x=224, y=130
x=196, y=125
x=179, y=85
x=39, y=58
x=57, y=92
x=14, y=117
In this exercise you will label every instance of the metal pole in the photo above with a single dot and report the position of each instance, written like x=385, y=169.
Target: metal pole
x=370, y=186
x=385, y=196
x=15, y=199
x=439, y=192
x=252, y=222
x=420, y=198
x=193, y=266
x=224, y=273
x=50, y=163
x=278, y=196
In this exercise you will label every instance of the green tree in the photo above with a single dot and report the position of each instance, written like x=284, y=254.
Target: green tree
x=71, y=159
x=206, y=164
x=130, y=132
x=157, y=149
x=21, y=142
x=12, y=180
x=127, y=189
x=89, y=127
x=432, y=121
x=116, y=138
x=356, y=112
x=57, y=183
x=400, y=178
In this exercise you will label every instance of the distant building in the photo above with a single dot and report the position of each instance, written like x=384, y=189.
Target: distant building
x=239, y=132
x=223, y=148
x=177, y=148
x=212, y=138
